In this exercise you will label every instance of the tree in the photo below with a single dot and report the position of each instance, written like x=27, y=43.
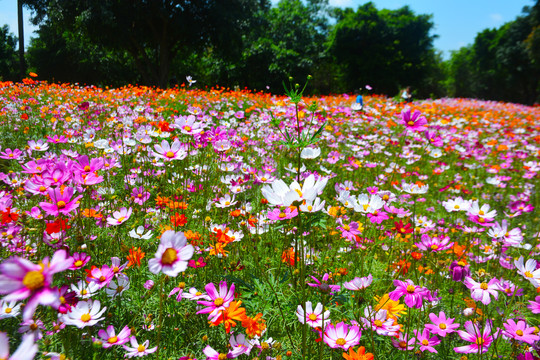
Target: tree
x=387, y=49
x=153, y=32
x=8, y=55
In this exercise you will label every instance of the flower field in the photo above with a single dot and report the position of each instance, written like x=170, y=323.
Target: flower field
x=220, y=224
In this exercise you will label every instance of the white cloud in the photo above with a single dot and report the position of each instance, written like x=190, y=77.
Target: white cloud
x=496, y=18
x=341, y=3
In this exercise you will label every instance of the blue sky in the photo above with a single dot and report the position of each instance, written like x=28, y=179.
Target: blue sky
x=456, y=21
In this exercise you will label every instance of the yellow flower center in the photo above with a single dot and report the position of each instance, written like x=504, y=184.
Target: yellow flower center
x=33, y=326
x=282, y=215
x=341, y=341
x=528, y=274
x=169, y=256
x=483, y=286
x=402, y=344
x=112, y=340
x=456, y=207
x=187, y=128
x=378, y=323
x=218, y=302
x=7, y=310
x=169, y=154
x=42, y=188
x=442, y=326
x=33, y=280
x=312, y=317
x=198, y=293
x=425, y=342
x=141, y=348
x=85, y=317
x=410, y=123
x=434, y=247
x=479, y=341
x=84, y=292
x=87, y=168
x=410, y=289
x=519, y=332
x=222, y=357
x=61, y=204
x=78, y=263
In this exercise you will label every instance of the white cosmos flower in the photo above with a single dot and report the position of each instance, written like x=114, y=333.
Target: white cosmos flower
x=85, y=313
x=281, y=194
x=139, y=233
x=310, y=153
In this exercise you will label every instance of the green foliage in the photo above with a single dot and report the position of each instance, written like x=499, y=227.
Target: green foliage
x=8, y=55
x=387, y=49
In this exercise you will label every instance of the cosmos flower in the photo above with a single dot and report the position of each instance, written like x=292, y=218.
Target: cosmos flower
x=172, y=254
x=483, y=291
x=26, y=351
x=313, y=317
x=110, y=338
x=341, y=335
x=414, y=122
x=441, y=325
x=480, y=340
x=358, y=283
x=85, y=313
x=120, y=216
x=21, y=279
x=62, y=202
x=138, y=350
x=520, y=331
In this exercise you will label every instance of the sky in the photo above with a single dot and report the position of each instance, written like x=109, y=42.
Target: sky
x=456, y=21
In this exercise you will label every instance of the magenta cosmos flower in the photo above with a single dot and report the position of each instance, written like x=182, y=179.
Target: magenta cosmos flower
x=483, y=291
x=425, y=342
x=21, y=279
x=481, y=340
x=172, y=254
x=277, y=214
x=414, y=294
x=342, y=336
x=219, y=300
x=414, y=122
x=520, y=331
x=441, y=325
x=62, y=203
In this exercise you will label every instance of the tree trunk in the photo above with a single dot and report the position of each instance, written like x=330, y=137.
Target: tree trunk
x=22, y=63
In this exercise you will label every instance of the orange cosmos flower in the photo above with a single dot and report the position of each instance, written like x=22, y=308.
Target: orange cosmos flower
x=219, y=248
x=229, y=315
x=359, y=355
x=135, y=256
x=288, y=256
x=254, y=326
x=178, y=219
x=33, y=74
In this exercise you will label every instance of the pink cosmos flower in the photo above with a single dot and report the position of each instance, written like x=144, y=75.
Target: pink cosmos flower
x=172, y=254
x=434, y=244
x=313, y=318
x=414, y=122
x=483, y=291
x=21, y=279
x=277, y=214
x=110, y=338
x=62, y=202
x=101, y=276
x=342, y=336
x=348, y=231
x=57, y=139
x=165, y=151
x=79, y=260
x=403, y=342
x=119, y=217
x=534, y=306
x=324, y=286
x=426, y=342
x=413, y=294
x=219, y=300
x=212, y=354
x=481, y=340
x=138, y=350
x=358, y=283
x=26, y=350
x=441, y=325
x=140, y=195
x=10, y=154
x=519, y=331
x=378, y=322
